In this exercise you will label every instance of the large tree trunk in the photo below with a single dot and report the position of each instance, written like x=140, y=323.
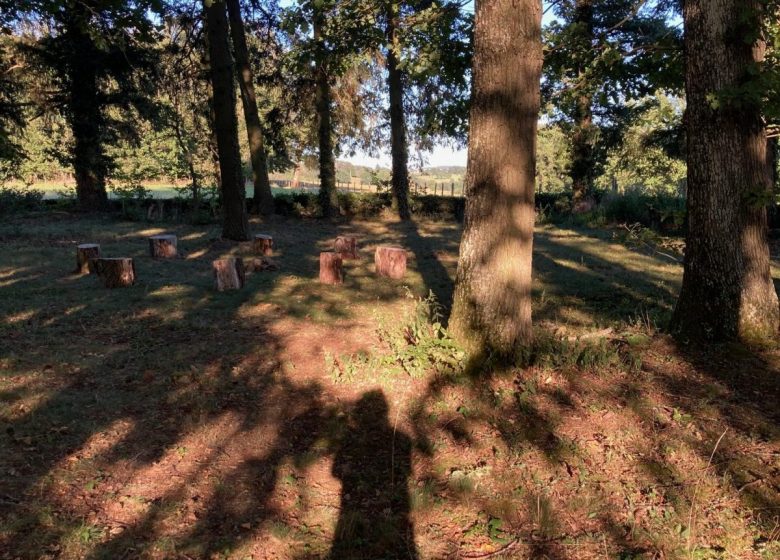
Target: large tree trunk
x=583, y=134
x=399, y=149
x=727, y=289
x=85, y=115
x=235, y=225
x=263, y=199
x=492, y=302
x=328, y=195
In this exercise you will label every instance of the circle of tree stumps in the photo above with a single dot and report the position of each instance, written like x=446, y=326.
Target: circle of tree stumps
x=162, y=246
x=84, y=254
x=229, y=273
x=331, y=268
x=390, y=261
x=346, y=246
x=116, y=272
x=263, y=244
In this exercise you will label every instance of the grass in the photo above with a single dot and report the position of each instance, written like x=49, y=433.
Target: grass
x=168, y=420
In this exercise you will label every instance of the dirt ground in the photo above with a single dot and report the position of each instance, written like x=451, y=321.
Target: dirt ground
x=292, y=420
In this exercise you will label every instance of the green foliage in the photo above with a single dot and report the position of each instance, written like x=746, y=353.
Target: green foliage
x=416, y=346
x=650, y=155
x=659, y=211
x=422, y=343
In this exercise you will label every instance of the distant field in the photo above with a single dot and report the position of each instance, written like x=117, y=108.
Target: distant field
x=423, y=184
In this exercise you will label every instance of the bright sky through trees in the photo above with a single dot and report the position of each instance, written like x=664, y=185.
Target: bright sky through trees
x=442, y=154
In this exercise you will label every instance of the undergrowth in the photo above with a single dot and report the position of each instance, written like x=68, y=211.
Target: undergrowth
x=417, y=345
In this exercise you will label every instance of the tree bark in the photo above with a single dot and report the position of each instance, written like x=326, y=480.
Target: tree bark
x=399, y=148
x=492, y=302
x=85, y=114
x=328, y=194
x=727, y=290
x=85, y=253
x=115, y=272
x=346, y=246
x=263, y=244
x=390, y=261
x=263, y=198
x=583, y=135
x=229, y=273
x=235, y=224
x=162, y=246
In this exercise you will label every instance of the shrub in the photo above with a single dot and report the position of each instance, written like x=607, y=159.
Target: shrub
x=14, y=199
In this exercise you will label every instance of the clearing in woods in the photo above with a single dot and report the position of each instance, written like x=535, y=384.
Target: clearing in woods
x=292, y=419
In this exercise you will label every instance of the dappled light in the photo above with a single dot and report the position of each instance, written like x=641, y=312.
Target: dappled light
x=186, y=422
x=387, y=280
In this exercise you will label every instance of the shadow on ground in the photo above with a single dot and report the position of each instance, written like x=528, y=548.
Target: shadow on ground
x=170, y=421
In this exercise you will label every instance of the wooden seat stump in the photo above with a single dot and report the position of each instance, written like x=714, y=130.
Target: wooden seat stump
x=229, y=273
x=390, y=261
x=84, y=254
x=346, y=246
x=331, y=268
x=163, y=246
x=263, y=244
x=116, y=272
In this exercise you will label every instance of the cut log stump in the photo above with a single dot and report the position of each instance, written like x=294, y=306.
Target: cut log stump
x=162, y=246
x=84, y=253
x=228, y=273
x=330, y=268
x=263, y=244
x=115, y=272
x=390, y=261
x=346, y=246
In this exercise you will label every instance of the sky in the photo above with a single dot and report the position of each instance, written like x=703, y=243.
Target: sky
x=441, y=155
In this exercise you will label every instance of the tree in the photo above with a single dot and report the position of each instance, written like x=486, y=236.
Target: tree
x=235, y=224
x=727, y=290
x=492, y=302
x=263, y=198
x=399, y=149
x=97, y=74
x=328, y=195
x=601, y=55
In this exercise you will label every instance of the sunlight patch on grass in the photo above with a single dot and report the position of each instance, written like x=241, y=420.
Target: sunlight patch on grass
x=19, y=317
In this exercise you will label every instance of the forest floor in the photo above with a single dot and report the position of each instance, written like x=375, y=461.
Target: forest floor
x=295, y=420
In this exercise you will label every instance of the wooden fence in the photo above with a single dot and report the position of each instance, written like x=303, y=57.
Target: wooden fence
x=436, y=188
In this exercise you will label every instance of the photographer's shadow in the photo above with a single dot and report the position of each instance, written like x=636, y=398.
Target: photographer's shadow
x=373, y=463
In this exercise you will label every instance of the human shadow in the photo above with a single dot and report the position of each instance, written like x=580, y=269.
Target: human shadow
x=373, y=463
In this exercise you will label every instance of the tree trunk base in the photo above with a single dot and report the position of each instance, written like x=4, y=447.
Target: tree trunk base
x=346, y=246
x=228, y=273
x=115, y=272
x=331, y=268
x=390, y=261
x=162, y=246
x=84, y=254
x=263, y=244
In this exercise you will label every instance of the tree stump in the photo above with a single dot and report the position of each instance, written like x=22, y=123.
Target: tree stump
x=228, y=273
x=162, y=246
x=84, y=253
x=346, y=246
x=115, y=272
x=390, y=261
x=263, y=244
x=330, y=268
